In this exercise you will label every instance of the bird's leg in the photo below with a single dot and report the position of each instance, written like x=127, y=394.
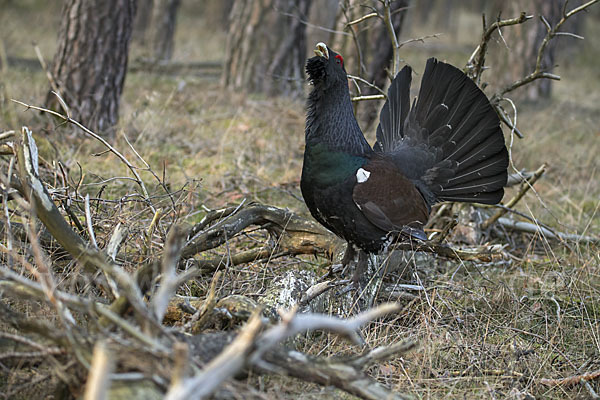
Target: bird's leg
x=360, y=272
x=348, y=255
x=348, y=258
x=366, y=280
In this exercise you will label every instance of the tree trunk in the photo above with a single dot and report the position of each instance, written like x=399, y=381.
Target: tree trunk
x=163, y=28
x=141, y=24
x=525, y=40
x=266, y=46
x=91, y=60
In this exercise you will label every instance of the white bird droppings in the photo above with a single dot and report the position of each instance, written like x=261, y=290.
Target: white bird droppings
x=362, y=175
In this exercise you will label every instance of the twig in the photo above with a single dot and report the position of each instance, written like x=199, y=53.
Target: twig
x=361, y=66
x=363, y=18
x=383, y=353
x=67, y=118
x=387, y=19
x=88, y=220
x=116, y=241
x=368, y=97
x=293, y=324
x=419, y=39
x=475, y=64
x=369, y=84
x=315, y=291
x=45, y=68
x=525, y=186
x=169, y=282
x=98, y=382
x=201, y=316
x=538, y=73
x=537, y=229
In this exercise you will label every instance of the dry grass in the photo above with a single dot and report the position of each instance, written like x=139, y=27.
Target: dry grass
x=485, y=331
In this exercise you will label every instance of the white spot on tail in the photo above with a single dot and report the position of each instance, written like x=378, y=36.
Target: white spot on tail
x=362, y=175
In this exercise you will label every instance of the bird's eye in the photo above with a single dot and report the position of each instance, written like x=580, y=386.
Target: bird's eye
x=339, y=59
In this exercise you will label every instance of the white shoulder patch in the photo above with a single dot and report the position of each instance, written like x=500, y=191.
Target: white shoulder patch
x=362, y=175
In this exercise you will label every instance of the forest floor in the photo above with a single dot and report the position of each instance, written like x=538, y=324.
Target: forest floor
x=494, y=330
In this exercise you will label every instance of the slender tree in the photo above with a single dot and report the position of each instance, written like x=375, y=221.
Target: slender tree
x=143, y=16
x=266, y=46
x=91, y=60
x=163, y=28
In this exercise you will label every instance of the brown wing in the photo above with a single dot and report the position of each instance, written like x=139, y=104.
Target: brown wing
x=388, y=199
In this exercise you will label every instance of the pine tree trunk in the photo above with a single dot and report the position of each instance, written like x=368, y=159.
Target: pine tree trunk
x=163, y=28
x=266, y=46
x=91, y=60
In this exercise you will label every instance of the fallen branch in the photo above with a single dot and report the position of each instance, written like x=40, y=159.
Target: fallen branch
x=571, y=380
x=529, y=227
x=525, y=186
x=263, y=354
x=295, y=234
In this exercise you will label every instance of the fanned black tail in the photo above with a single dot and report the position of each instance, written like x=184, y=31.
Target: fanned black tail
x=450, y=143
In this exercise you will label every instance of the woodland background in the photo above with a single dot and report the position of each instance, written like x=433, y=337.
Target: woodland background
x=211, y=121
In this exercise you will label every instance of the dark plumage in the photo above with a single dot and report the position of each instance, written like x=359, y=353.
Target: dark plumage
x=447, y=147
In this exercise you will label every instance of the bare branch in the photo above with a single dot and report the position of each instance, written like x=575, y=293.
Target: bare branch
x=525, y=186
x=363, y=18
x=476, y=62
x=98, y=382
x=231, y=360
x=169, y=282
x=538, y=72
x=121, y=157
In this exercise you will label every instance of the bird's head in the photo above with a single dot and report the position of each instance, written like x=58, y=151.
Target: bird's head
x=326, y=68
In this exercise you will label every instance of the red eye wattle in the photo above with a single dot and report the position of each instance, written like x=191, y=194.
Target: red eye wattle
x=339, y=59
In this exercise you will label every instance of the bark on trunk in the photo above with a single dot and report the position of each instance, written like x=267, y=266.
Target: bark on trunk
x=91, y=60
x=266, y=46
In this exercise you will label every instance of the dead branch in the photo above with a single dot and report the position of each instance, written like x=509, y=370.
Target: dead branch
x=529, y=227
x=474, y=67
x=169, y=281
x=201, y=316
x=538, y=72
x=229, y=362
x=368, y=97
x=261, y=351
x=36, y=193
x=121, y=157
x=343, y=374
x=295, y=234
x=571, y=380
x=98, y=382
x=525, y=186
